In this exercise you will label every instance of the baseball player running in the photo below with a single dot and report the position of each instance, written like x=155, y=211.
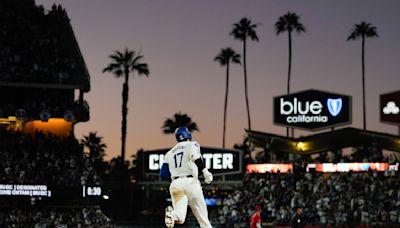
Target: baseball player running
x=183, y=163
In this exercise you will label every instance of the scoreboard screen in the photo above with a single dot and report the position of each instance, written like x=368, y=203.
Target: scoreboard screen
x=41, y=190
x=88, y=191
x=24, y=190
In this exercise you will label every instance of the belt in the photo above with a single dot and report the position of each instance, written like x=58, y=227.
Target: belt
x=174, y=178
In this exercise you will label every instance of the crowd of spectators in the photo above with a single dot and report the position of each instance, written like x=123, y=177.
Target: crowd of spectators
x=347, y=199
x=36, y=45
x=45, y=159
x=54, y=217
x=58, y=162
x=353, y=198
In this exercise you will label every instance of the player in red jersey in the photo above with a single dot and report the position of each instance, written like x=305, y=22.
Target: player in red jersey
x=255, y=219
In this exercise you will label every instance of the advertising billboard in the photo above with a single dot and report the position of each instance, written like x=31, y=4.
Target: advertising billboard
x=312, y=110
x=389, y=107
x=41, y=190
x=351, y=167
x=218, y=161
x=24, y=190
x=269, y=168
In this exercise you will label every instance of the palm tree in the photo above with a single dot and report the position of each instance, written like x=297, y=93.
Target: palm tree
x=225, y=57
x=122, y=65
x=179, y=120
x=242, y=31
x=95, y=145
x=288, y=23
x=363, y=30
x=245, y=147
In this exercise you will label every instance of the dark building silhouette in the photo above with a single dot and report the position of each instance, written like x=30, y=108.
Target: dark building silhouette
x=43, y=76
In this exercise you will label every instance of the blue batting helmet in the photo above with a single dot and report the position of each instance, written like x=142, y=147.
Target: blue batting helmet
x=182, y=133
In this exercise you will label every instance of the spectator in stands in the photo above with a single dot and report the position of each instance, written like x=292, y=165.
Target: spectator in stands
x=298, y=218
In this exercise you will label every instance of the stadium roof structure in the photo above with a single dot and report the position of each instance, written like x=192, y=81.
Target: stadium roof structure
x=204, y=149
x=326, y=141
x=42, y=47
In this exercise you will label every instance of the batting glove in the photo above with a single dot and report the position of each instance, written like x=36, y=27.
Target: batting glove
x=208, y=177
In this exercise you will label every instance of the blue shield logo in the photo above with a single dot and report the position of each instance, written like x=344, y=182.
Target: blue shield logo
x=334, y=106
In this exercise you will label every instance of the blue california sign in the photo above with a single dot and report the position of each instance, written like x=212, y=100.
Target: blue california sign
x=312, y=110
x=334, y=106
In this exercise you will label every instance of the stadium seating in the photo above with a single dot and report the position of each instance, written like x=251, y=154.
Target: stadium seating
x=348, y=199
x=53, y=217
x=44, y=159
x=36, y=47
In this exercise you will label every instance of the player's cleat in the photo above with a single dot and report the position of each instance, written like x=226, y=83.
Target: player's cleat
x=169, y=217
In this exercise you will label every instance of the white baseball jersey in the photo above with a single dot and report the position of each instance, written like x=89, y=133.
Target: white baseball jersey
x=181, y=159
x=186, y=190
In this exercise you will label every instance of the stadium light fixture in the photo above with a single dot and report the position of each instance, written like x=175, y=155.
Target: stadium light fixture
x=301, y=146
x=21, y=114
x=69, y=116
x=44, y=115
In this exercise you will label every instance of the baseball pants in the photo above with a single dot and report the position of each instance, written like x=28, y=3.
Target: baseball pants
x=188, y=191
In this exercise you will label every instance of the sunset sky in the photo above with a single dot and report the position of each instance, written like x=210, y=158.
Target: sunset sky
x=179, y=40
